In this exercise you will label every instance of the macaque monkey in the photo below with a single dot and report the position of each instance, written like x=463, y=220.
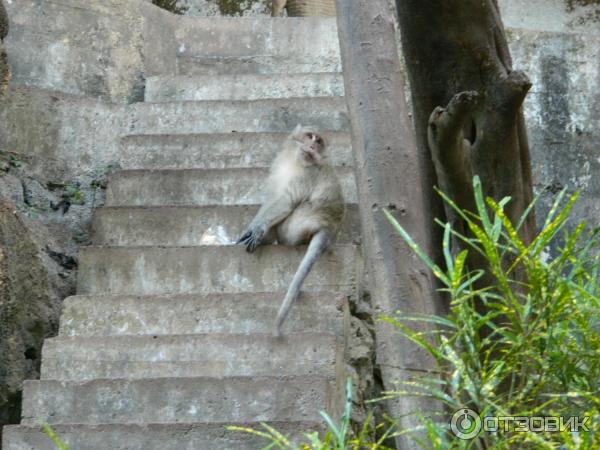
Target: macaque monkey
x=304, y=205
x=277, y=7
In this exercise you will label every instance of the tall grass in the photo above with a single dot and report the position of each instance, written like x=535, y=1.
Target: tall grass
x=513, y=348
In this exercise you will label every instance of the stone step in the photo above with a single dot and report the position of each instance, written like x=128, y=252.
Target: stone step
x=218, y=151
x=258, y=64
x=168, y=88
x=209, y=269
x=323, y=113
x=209, y=355
x=200, y=187
x=308, y=44
x=187, y=225
x=178, y=400
x=245, y=313
x=152, y=436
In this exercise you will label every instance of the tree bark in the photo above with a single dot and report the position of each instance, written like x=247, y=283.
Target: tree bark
x=4, y=68
x=456, y=54
x=391, y=173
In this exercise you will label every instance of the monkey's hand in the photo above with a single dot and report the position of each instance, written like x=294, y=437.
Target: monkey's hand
x=251, y=238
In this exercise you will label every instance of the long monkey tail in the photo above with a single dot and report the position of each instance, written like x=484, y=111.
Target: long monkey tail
x=317, y=245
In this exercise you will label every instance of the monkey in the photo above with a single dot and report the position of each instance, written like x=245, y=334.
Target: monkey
x=304, y=205
x=277, y=7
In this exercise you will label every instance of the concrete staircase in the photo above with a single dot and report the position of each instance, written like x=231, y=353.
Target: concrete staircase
x=168, y=339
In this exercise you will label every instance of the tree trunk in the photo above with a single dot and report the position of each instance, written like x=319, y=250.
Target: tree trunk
x=4, y=69
x=391, y=173
x=456, y=54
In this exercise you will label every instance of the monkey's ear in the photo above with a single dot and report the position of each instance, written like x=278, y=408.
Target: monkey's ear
x=297, y=133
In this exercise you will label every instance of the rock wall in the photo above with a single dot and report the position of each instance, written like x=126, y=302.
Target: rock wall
x=31, y=289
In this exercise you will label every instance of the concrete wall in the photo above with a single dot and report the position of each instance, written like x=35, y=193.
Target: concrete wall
x=103, y=49
x=562, y=114
x=562, y=16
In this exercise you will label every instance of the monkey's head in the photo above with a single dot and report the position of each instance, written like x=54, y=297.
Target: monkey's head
x=311, y=145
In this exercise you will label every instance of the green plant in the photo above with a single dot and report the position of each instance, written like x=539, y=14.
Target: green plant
x=73, y=194
x=336, y=438
x=534, y=347
x=8, y=162
x=14, y=162
x=60, y=445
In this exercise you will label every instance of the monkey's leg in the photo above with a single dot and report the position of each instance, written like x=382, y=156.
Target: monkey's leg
x=318, y=244
x=299, y=227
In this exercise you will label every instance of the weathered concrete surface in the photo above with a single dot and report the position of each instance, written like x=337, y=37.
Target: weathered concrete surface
x=249, y=64
x=246, y=313
x=570, y=16
x=178, y=400
x=289, y=39
x=196, y=436
x=130, y=39
x=199, y=187
x=29, y=308
x=210, y=355
x=134, y=40
x=243, y=87
x=562, y=113
x=228, y=269
x=258, y=45
x=185, y=225
x=218, y=151
x=325, y=113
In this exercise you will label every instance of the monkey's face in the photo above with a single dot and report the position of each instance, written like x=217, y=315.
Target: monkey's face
x=312, y=148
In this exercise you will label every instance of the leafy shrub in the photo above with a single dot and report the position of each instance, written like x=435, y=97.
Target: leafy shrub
x=534, y=347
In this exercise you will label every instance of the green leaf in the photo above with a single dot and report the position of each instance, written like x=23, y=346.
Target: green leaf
x=60, y=445
x=413, y=245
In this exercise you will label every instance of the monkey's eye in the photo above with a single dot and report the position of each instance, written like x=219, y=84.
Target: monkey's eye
x=309, y=135
x=319, y=141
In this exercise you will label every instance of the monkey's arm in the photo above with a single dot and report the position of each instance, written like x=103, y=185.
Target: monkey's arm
x=269, y=215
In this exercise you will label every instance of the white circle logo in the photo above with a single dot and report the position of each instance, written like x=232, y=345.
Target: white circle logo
x=465, y=424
